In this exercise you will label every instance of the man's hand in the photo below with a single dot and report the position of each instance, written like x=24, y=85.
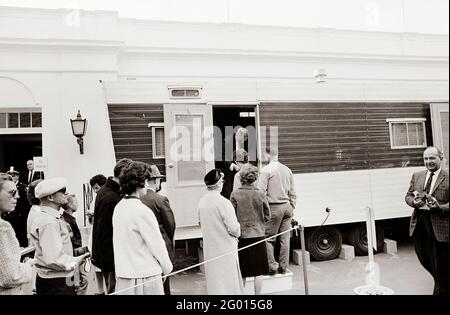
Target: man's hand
x=294, y=222
x=432, y=202
x=29, y=260
x=234, y=167
x=80, y=259
x=418, y=202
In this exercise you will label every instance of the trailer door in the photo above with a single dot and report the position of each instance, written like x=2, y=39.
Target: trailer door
x=189, y=156
x=439, y=123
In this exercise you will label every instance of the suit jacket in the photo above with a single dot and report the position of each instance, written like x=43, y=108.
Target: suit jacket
x=102, y=231
x=161, y=208
x=36, y=175
x=439, y=217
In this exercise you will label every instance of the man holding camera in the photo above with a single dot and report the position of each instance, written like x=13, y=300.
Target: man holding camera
x=54, y=260
x=428, y=194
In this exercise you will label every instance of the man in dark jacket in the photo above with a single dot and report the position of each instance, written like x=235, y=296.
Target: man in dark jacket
x=163, y=213
x=18, y=217
x=102, y=231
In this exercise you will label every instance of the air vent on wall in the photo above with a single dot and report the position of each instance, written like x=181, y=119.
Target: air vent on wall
x=185, y=92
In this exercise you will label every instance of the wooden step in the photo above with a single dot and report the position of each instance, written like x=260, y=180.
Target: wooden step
x=271, y=284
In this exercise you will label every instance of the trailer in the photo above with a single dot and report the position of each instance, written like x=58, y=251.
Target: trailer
x=345, y=156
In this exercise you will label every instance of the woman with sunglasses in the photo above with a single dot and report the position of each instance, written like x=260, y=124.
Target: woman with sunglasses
x=13, y=273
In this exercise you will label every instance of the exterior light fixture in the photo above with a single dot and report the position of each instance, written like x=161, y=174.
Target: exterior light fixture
x=320, y=75
x=79, y=126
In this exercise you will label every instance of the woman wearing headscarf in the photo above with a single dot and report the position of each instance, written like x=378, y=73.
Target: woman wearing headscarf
x=13, y=273
x=140, y=253
x=220, y=230
x=253, y=212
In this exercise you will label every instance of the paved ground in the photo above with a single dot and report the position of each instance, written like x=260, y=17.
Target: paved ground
x=401, y=272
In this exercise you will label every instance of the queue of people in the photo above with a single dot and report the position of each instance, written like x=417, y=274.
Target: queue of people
x=134, y=226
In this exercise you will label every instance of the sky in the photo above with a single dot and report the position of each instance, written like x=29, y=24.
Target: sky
x=417, y=16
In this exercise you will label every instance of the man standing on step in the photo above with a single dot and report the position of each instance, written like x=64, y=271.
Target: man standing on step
x=277, y=182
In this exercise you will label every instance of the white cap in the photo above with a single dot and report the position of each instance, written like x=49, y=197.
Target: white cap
x=49, y=186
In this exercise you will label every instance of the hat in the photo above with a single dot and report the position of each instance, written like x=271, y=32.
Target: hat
x=213, y=177
x=49, y=186
x=12, y=171
x=154, y=172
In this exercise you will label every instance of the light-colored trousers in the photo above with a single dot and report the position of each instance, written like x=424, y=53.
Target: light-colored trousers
x=140, y=286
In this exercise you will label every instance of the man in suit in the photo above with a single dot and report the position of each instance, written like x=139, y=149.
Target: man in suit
x=161, y=208
x=32, y=175
x=102, y=230
x=428, y=195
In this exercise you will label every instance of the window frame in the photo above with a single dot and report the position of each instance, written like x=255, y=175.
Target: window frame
x=153, y=127
x=406, y=121
x=20, y=130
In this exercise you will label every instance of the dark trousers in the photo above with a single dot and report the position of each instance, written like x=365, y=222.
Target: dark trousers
x=110, y=281
x=433, y=255
x=166, y=286
x=55, y=286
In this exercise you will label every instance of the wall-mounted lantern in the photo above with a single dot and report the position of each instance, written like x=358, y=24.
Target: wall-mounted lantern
x=79, y=126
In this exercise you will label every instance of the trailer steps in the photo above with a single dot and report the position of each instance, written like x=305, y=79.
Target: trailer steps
x=271, y=284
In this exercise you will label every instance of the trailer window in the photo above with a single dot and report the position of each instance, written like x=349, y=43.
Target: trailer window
x=407, y=133
x=158, y=149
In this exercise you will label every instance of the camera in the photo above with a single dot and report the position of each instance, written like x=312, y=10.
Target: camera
x=80, y=251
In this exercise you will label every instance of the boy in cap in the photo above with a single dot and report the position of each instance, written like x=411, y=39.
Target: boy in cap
x=54, y=261
x=161, y=208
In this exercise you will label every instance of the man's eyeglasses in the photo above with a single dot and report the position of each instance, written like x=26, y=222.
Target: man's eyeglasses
x=13, y=193
x=63, y=191
x=4, y=176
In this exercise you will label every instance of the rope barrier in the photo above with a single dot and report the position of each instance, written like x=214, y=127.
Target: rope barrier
x=204, y=262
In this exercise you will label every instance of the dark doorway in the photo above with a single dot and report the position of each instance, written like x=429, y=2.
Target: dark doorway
x=226, y=119
x=15, y=150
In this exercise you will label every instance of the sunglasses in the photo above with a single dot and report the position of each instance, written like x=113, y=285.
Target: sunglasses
x=4, y=176
x=13, y=193
x=63, y=191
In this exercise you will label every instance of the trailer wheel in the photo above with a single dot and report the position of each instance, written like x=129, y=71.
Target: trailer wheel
x=324, y=243
x=357, y=237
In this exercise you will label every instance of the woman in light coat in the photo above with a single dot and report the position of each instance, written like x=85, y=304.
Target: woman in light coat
x=140, y=253
x=13, y=273
x=221, y=231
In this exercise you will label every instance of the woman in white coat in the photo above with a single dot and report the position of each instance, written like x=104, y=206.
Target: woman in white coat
x=221, y=231
x=140, y=253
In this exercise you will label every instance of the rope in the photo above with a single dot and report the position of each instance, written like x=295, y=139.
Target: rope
x=204, y=262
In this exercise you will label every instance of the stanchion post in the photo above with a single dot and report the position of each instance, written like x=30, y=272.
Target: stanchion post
x=305, y=272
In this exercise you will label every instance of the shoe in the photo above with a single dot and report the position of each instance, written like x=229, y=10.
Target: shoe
x=271, y=272
x=282, y=270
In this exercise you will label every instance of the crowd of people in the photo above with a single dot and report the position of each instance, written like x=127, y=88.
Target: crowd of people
x=131, y=245
x=132, y=241
x=130, y=261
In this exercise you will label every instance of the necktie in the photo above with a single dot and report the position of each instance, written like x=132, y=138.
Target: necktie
x=428, y=185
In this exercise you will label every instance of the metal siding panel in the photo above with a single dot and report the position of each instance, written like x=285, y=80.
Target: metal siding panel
x=131, y=136
x=317, y=137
